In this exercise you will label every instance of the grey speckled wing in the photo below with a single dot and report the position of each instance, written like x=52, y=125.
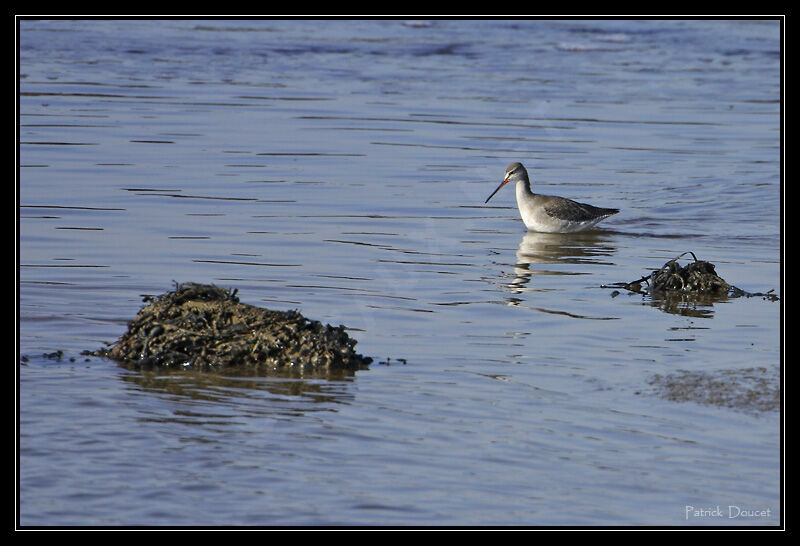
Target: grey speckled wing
x=572, y=211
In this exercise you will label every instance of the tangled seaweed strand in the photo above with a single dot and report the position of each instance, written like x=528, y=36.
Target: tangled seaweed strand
x=697, y=278
x=204, y=326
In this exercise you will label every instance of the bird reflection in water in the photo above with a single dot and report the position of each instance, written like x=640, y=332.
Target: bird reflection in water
x=558, y=249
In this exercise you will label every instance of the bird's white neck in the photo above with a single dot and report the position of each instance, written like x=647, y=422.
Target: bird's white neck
x=523, y=187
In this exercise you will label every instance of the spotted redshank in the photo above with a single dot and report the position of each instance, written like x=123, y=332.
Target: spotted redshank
x=548, y=213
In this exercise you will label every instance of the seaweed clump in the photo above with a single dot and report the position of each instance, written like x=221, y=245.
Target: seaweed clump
x=698, y=278
x=207, y=327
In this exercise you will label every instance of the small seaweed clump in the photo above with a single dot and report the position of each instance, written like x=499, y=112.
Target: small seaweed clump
x=698, y=278
x=204, y=326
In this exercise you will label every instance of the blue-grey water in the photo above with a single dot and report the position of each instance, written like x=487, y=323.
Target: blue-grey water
x=339, y=167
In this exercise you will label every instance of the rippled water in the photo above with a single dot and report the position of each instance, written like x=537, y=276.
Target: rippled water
x=340, y=168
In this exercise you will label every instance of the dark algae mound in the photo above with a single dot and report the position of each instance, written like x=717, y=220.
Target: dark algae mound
x=206, y=327
x=698, y=279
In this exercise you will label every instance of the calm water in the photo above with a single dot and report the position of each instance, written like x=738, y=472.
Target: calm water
x=340, y=168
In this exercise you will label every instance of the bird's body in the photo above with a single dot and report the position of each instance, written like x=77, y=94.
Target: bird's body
x=548, y=213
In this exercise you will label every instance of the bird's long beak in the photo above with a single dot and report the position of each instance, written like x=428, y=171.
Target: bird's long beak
x=503, y=183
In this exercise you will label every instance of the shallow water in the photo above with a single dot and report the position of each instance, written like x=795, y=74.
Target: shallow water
x=340, y=168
